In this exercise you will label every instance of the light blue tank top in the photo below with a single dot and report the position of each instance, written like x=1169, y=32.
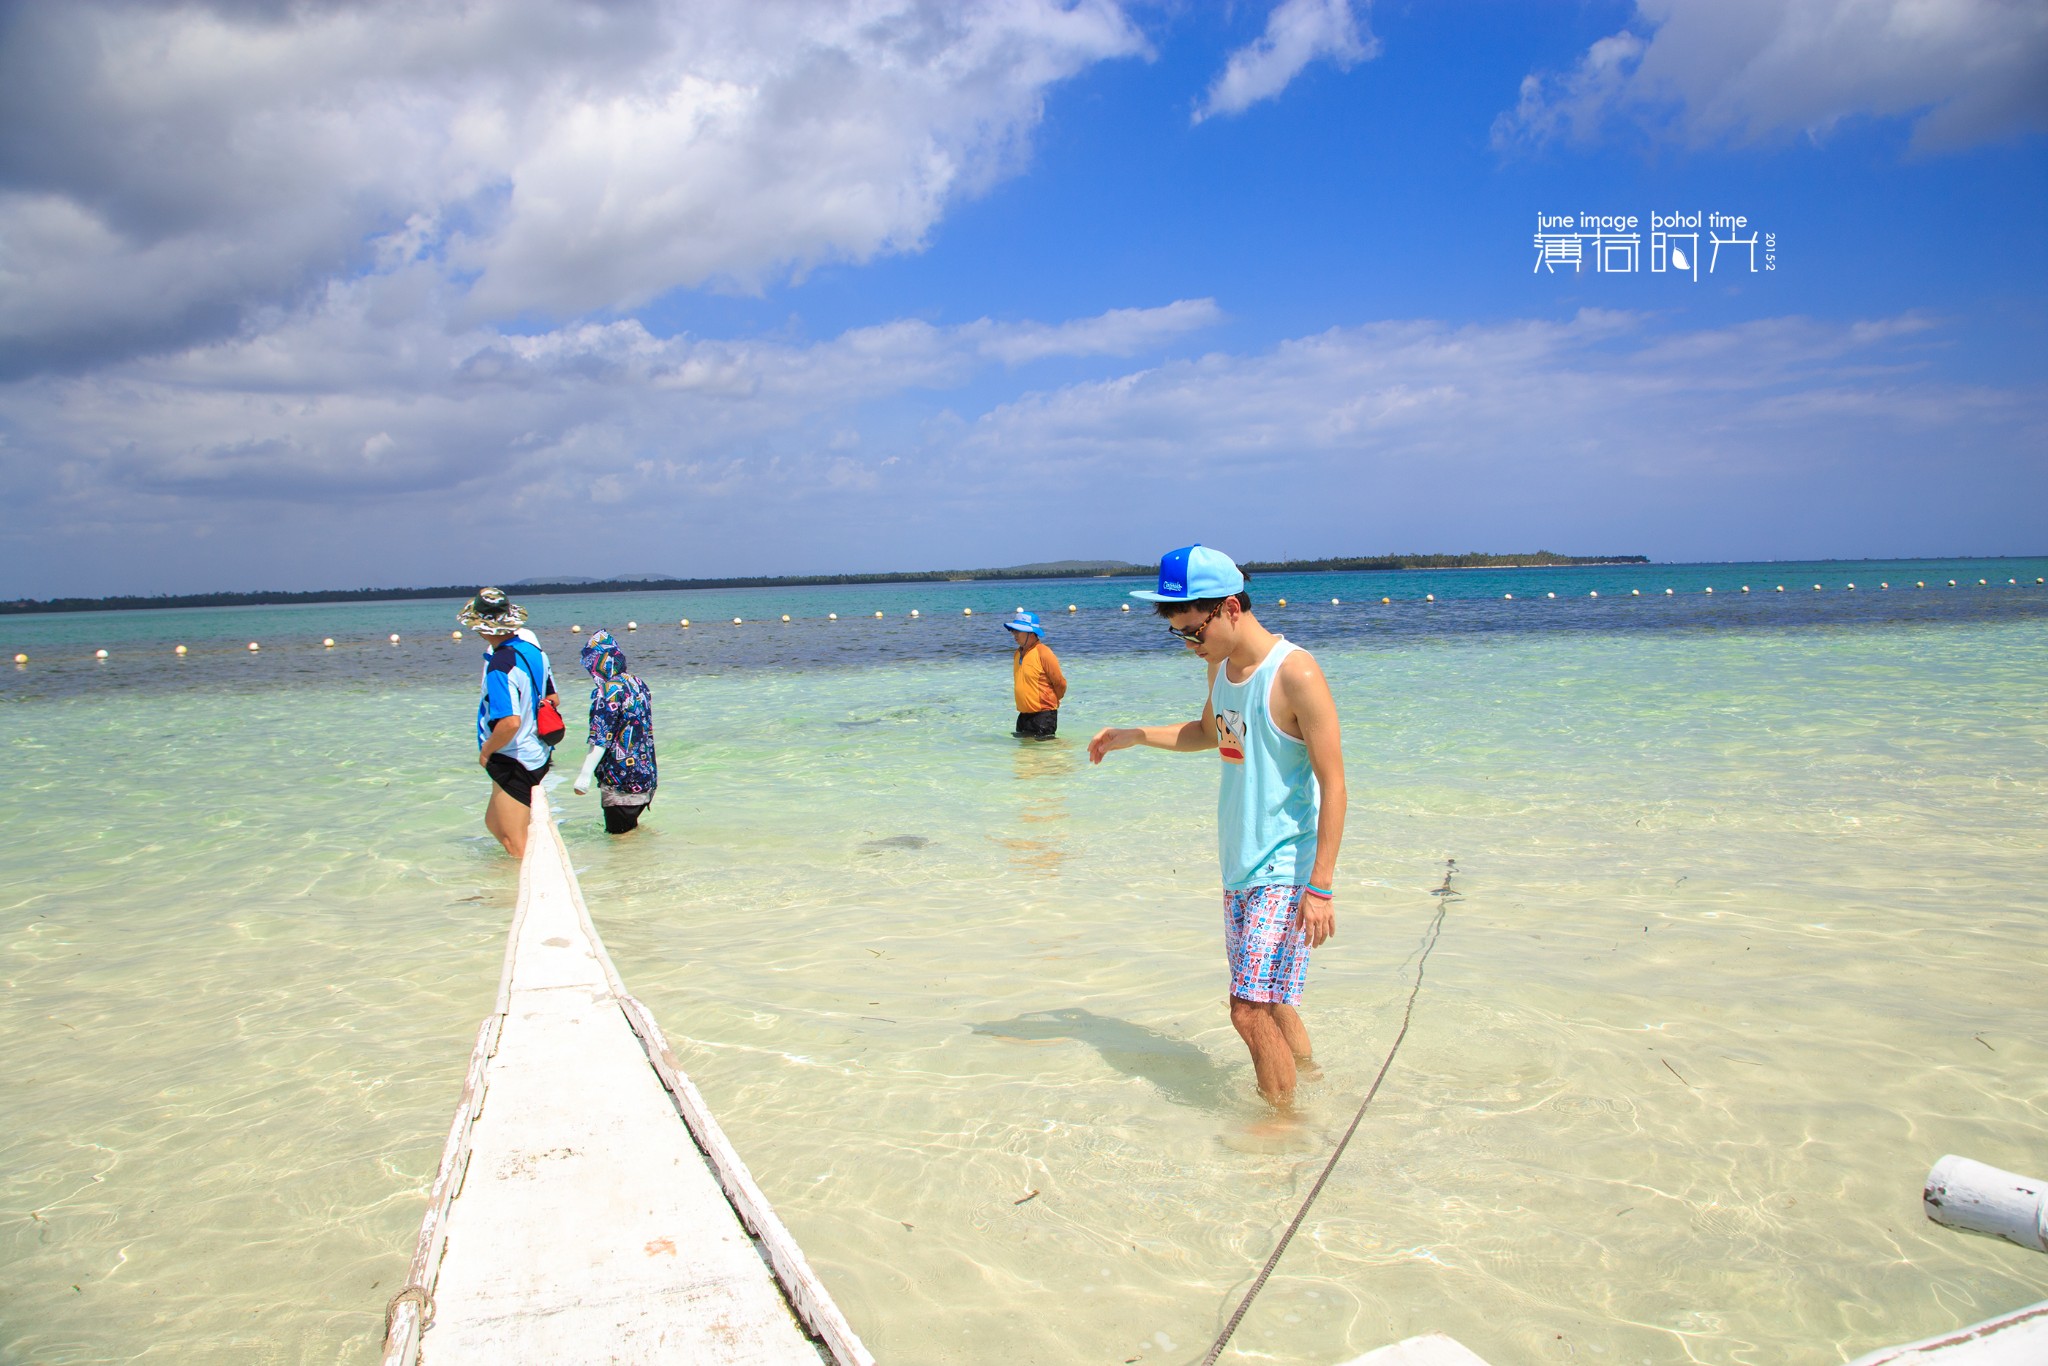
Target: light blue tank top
x=1266, y=810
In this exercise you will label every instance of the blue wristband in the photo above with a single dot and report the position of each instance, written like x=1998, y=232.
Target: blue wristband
x=1321, y=892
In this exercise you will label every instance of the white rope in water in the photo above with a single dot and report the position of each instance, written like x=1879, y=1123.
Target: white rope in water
x=1444, y=895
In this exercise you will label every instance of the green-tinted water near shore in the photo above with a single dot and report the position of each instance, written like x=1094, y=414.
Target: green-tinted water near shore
x=1750, y=933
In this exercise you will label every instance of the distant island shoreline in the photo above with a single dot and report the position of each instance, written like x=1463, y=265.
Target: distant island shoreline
x=1058, y=569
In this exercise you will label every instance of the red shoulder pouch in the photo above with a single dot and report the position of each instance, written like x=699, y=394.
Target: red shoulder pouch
x=547, y=723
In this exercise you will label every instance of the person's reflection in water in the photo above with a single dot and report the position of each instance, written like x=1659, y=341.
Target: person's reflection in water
x=1040, y=845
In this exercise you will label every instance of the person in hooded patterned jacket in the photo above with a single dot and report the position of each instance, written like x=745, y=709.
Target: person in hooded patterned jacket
x=621, y=758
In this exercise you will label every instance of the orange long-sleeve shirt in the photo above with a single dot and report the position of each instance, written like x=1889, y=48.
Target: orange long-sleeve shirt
x=1041, y=683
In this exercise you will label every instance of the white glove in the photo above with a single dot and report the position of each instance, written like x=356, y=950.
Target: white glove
x=589, y=769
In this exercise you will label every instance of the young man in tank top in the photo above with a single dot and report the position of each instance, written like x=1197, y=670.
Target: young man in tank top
x=1280, y=815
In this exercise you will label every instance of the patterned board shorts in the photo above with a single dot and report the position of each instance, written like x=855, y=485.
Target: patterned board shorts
x=1268, y=952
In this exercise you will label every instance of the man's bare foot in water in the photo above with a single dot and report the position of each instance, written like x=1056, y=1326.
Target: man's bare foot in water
x=1280, y=1132
x=1306, y=1068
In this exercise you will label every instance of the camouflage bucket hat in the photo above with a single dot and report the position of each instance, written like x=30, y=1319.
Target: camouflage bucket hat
x=490, y=610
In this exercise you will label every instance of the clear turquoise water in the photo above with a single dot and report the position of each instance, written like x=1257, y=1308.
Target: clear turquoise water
x=1750, y=934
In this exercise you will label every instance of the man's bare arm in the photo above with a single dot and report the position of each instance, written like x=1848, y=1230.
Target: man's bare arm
x=503, y=733
x=1190, y=737
x=1306, y=695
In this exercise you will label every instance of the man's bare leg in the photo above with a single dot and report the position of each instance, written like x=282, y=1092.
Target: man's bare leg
x=1272, y=1051
x=1296, y=1033
x=507, y=819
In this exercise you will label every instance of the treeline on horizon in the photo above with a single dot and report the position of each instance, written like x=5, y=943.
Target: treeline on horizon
x=269, y=598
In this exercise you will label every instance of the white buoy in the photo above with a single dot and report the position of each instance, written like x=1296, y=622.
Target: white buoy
x=1980, y=583
x=1333, y=602
x=1126, y=606
x=102, y=654
x=632, y=626
x=21, y=659
x=1283, y=602
x=735, y=621
x=1385, y=601
x=394, y=637
x=915, y=613
x=1781, y=588
x=878, y=616
x=254, y=646
x=1429, y=597
x=1919, y=583
x=328, y=643
x=1883, y=586
x=1020, y=609
x=1850, y=587
x=1594, y=594
x=180, y=650
x=1072, y=608
x=684, y=622
x=1745, y=588
x=831, y=616
x=1951, y=583
x=785, y=616
x=455, y=635
x=1635, y=592
x=1710, y=590
x=1667, y=592
x=575, y=630
x=1979, y=1198
x=2013, y=581
x=1550, y=595
x=1507, y=597
x=2041, y=580
x=969, y=611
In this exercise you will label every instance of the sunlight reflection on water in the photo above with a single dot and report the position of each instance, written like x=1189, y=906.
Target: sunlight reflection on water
x=1689, y=1042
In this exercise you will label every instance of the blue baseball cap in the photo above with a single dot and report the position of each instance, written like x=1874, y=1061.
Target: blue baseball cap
x=1025, y=621
x=1192, y=573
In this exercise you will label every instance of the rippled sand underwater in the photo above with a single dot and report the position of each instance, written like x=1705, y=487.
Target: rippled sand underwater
x=1749, y=934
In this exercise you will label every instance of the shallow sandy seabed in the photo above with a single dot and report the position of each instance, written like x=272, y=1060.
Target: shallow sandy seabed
x=1748, y=935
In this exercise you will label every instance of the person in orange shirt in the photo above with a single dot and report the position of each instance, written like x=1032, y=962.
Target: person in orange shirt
x=1040, y=682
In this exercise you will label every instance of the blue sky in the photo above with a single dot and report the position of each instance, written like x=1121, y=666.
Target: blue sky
x=380, y=294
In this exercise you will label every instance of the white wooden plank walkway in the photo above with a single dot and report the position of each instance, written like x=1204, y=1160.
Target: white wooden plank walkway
x=588, y=1209
x=2018, y=1338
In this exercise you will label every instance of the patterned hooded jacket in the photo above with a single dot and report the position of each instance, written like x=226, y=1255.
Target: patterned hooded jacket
x=621, y=718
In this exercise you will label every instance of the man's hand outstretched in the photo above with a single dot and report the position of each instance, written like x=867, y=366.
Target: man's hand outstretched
x=1110, y=738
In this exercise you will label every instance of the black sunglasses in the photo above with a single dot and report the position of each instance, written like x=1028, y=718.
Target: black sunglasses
x=1192, y=635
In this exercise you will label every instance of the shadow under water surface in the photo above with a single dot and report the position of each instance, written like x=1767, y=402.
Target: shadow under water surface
x=1183, y=1072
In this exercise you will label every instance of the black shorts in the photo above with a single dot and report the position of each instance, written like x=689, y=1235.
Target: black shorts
x=515, y=778
x=619, y=819
x=1037, y=725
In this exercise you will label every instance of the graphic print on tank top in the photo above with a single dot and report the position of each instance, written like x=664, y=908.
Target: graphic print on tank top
x=1230, y=736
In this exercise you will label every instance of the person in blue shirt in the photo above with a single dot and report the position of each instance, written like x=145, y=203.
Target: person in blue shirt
x=509, y=748
x=1270, y=718
x=621, y=758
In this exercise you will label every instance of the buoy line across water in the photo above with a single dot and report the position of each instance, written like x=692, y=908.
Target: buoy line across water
x=1444, y=896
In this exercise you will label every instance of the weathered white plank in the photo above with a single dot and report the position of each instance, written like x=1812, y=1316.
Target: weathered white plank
x=806, y=1292
x=402, y=1320
x=574, y=1218
x=1978, y=1198
x=2018, y=1338
x=1431, y=1349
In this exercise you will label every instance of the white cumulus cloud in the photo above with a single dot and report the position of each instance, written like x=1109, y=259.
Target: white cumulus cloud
x=322, y=403
x=166, y=170
x=346, y=450
x=1297, y=33
x=1704, y=71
